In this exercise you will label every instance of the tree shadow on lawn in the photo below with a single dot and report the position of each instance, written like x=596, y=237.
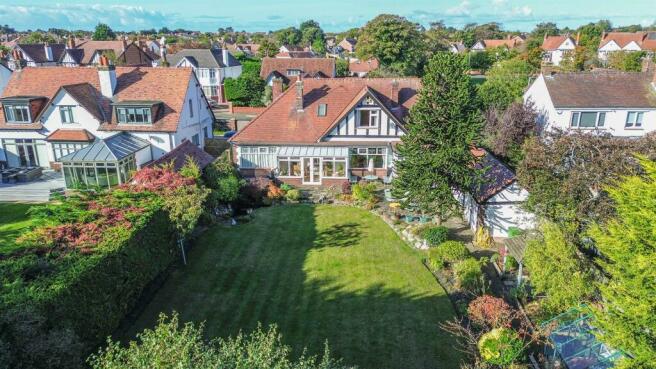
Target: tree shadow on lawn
x=321, y=274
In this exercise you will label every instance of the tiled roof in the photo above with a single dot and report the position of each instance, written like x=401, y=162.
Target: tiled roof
x=87, y=96
x=365, y=66
x=309, y=66
x=178, y=156
x=496, y=176
x=601, y=89
x=37, y=52
x=296, y=54
x=90, y=47
x=551, y=43
x=204, y=58
x=646, y=40
x=168, y=85
x=138, y=56
x=280, y=123
x=75, y=135
x=490, y=44
x=247, y=109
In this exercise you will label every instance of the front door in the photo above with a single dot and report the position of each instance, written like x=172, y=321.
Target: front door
x=311, y=170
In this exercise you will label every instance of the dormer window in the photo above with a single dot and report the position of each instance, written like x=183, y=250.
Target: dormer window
x=136, y=112
x=293, y=72
x=17, y=113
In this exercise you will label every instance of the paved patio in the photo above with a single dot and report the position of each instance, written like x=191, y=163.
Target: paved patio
x=34, y=191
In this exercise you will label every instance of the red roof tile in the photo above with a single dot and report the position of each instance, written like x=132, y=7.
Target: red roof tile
x=280, y=123
x=75, y=135
x=178, y=156
x=309, y=66
x=363, y=66
x=553, y=42
x=168, y=85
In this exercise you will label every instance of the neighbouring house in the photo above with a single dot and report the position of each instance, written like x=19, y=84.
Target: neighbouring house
x=211, y=66
x=495, y=202
x=509, y=43
x=290, y=68
x=323, y=132
x=121, y=52
x=296, y=54
x=248, y=49
x=290, y=48
x=457, y=47
x=235, y=118
x=613, y=102
x=557, y=47
x=36, y=55
x=5, y=73
x=99, y=124
x=361, y=68
x=626, y=41
x=348, y=44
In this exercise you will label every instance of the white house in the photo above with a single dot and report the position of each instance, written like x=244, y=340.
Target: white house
x=35, y=55
x=626, y=42
x=556, y=48
x=211, y=66
x=5, y=73
x=496, y=202
x=618, y=103
x=106, y=119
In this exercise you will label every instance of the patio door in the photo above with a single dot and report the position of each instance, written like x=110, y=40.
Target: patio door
x=311, y=170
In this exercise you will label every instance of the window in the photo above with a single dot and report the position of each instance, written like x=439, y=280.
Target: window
x=368, y=118
x=202, y=72
x=60, y=149
x=17, y=113
x=289, y=167
x=334, y=167
x=293, y=72
x=25, y=152
x=212, y=73
x=362, y=156
x=588, y=119
x=133, y=115
x=66, y=113
x=191, y=108
x=634, y=119
x=257, y=157
x=195, y=140
x=322, y=110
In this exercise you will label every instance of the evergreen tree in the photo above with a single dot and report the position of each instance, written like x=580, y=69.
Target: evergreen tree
x=443, y=125
x=628, y=245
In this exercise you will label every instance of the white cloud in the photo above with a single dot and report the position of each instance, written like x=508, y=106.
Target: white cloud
x=463, y=9
x=522, y=10
x=498, y=2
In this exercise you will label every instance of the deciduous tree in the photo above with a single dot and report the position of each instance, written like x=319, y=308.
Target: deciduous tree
x=103, y=33
x=505, y=83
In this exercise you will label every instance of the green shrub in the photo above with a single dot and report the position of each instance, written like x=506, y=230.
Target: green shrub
x=293, y=195
x=511, y=263
x=436, y=235
x=447, y=253
x=469, y=275
x=364, y=192
x=501, y=346
x=514, y=232
x=286, y=187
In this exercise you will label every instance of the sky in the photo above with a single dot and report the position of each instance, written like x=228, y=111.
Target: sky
x=333, y=15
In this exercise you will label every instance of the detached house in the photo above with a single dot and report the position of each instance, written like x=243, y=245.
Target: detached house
x=626, y=41
x=557, y=47
x=326, y=131
x=36, y=55
x=99, y=124
x=289, y=69
x=211, y=66
x=348, y=44
x=509, y=43
x=617, y=103
x=361, y=68
x=120, y=52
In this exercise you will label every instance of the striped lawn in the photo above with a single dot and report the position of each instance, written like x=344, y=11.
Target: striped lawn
x=320, y=273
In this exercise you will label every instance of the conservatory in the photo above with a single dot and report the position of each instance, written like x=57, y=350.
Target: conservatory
x=574, y=345
x=105, y=163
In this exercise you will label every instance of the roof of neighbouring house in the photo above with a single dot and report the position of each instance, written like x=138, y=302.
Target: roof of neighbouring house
x=363, y=66
x=113, y=148
x=551, y=43
x=178, y=156
x=646, y=40
x=308, y=66
x=459, y=46
x=37, y=52
x=296, y=54
x=496, y=176
x=74, y=135
x=601, y=89
x=510, y=43
x=280, y=122
x=168, y=85
x=204, y=58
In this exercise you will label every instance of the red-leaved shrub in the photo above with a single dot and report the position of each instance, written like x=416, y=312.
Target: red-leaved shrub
x=490, y=311
x=157, y=179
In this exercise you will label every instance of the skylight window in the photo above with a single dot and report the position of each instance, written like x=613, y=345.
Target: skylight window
x=322, y=110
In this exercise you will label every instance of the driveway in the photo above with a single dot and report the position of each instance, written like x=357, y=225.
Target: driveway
x=34, y=191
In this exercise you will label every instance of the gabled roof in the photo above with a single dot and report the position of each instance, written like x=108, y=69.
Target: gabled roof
x=458, y=46
x=296, y=54
x=71, y=135
x=204, y=58
x=37, y=52
x=601, y=89
x=646, y=40
x=308, y=66
x=496, y=176
x=113, y=148
x=87, y=96
x=280, y=123
x=509, y=43
x=363, y=66
x=136, y=57
x=168, y=85
x=551, y=43
x=178, y=156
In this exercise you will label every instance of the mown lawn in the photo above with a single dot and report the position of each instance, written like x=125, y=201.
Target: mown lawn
x=320, y=273
x=13, y=221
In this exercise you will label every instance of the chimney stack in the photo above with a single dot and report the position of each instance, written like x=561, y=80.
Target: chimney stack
x=125, y=42
x=225, y=56
x=394, y=92
x=18, y=59
x=299, y=95
x=276, y=88
x=70, y=43
x=48, y=51
x=107, y=77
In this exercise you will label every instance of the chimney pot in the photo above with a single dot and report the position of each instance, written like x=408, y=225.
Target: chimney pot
x=48, y=51
x=299, y=94
x=225, y=56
